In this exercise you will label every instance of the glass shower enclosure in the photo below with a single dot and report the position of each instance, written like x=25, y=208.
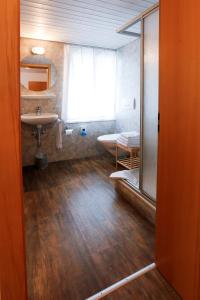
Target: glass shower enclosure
x=146, y=27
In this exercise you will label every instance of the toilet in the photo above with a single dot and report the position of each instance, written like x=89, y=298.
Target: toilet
x=109, y=141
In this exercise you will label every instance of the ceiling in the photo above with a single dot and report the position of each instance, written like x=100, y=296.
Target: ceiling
x=85, y=22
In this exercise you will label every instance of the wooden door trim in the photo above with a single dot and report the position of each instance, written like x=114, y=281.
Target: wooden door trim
x=12, y=246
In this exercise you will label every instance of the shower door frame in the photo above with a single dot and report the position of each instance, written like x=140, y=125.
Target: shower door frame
x=124, y=30
x=142, y=75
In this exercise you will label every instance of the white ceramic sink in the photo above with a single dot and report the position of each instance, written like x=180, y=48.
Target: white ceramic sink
x=39, y=119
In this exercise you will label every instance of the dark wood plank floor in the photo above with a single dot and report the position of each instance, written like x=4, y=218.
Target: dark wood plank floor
x=82, y=237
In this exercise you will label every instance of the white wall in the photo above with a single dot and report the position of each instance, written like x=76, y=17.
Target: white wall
x=128, y=87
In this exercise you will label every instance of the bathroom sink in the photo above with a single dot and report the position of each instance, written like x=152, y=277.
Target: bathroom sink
x=39, y=119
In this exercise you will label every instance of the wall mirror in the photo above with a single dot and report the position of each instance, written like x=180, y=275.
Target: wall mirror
x=37, y=73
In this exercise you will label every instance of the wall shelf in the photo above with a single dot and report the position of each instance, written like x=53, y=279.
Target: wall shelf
x=37, y=97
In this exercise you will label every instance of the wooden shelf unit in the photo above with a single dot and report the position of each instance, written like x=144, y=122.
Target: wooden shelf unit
x=131, y=162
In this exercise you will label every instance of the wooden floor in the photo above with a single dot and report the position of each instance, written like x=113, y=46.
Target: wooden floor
x=82, y=237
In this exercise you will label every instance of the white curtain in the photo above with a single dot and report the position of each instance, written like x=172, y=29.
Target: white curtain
x=89, y=84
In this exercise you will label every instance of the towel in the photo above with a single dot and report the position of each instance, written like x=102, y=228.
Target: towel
x=130, y=134
x=129, y=139
x=129, y=175
x=59, y=134
x=129, y=143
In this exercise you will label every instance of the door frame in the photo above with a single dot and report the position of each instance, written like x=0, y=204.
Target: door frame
x=12, y=246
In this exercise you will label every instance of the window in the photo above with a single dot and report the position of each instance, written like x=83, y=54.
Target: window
x=89, y=84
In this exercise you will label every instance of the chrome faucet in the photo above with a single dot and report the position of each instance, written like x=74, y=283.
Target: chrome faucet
x=38, y=110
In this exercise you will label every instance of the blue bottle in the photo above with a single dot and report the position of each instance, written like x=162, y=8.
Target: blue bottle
x=83, y=132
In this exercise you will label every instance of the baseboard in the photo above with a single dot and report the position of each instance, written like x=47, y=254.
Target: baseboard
x=137, y=200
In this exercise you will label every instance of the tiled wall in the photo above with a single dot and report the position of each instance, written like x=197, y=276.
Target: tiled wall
x=128, y=83
x=74, y=146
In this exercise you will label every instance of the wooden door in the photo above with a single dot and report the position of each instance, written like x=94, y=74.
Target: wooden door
x=12, y=255
x=178, y=201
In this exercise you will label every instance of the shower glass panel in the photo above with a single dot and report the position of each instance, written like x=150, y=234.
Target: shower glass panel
x=132, y=90
x=150, y=105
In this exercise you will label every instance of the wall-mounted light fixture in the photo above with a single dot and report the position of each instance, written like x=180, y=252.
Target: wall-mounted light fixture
x=38, y=50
